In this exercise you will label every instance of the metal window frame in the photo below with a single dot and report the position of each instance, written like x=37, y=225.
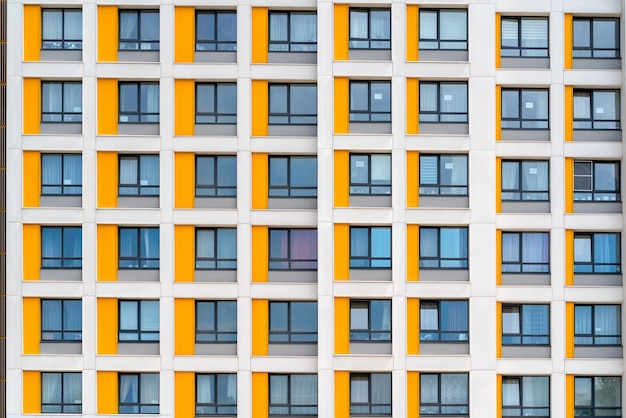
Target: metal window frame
x=62, y=40
x=137, y=331
x=138, y=185
x=520, y=48
x=216, y=321
x=369, y=39
x=63, y=258
x=591, y=49
x=290, y=259
x=369, y=329
x=370, y=258
x=369, y=112
x=290, y=189
x=215, y=186
x=139, y=113
x=592, y=176
x=289, y=405
x=139, y=41
x=438, y=39
x=440, y=331
x=440, y=404
x=369, y=184
x=521, y=406
x=368, y=404
x=215, y=391
x=593, y=335
x=217, y=114
x=290, y=319
x=439, y=113
x=590, y=94
x=593, y=408
x=439, y=185
x=521, y=190
x=521, y=335
x=137, y=404
x=290, y=44
x=593, y=264
x=138, y=258
x=521, y=263
x=61, y=404
x=62, y=330
x=217, y=43
x=438, y=258
x=62, y=113
x=216, y=242
x=61, y=185
x=521, y=120
x=290, y=115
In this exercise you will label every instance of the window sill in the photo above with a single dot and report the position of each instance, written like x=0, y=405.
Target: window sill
x=526, y=351
x=138, y=275
x=611, y=279
x=526, y=279
x=443, y=348
x=70, y=275
x=525, y=135
x=608, y=135
x=286, y=349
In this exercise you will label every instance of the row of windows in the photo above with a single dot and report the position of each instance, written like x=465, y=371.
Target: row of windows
x=369, y=28
x=293, y=322
x=440, y=394
x=370, y=248
x=370, y=101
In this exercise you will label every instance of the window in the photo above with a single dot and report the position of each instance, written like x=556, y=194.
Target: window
x=61, y=101
x=444, y=394
x=293, y=104
x=596, y=37
x=216, y=31
x=216, y=103
x=370, y=393
x=526, y=324
x=597, y=252
x=139, y=102
x=61, y=247
x=525, y=180
x=370, y=101
x=292, y=31
x=370, y=29
x=525, y=109
x=370, y=247
x=444, y=29
x=61, y=393
x=525, y=252
x=596, y=109
x=61, y=320
x=370, y=174
x=597, y=325
x=139, y=175
x=139, y=393
x=139, y=320
x=61, y=174
x=443, y=175
x=216, y=176
x=216, y=321
x=139, y=248
x=293, y=322
x=216, y=249
x=139, y=30
x=596, y=181
x=443, y=248
x=216, y=394
x=444, y=102
x=293, y=394
x=293, y=176
x=444, y=320
x=370, y=320
x=524, y=37
x=526, y=396
x=293, y=249
x=62, y=29
x=598, y=396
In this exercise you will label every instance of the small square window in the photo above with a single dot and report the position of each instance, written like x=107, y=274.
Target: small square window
x=370, y=320
x=370, y=394
x=292, y=31
x=596, y=37
x=443, y=102
x=443, y=29
x=138, y=320
x=293, y=176
x=444, y=321
x=216, y=249
x=525, y=109
x=597, y=252
x=525, y=324
x=61, y=393
x=61, y=247
x=525, y=396
x=216, y=30
x=293, y=395
x=138, y=393
x=443, y=175
x=293, y=322
x=524, y=37
x=216, y=103
x=61, y=102
x=596, y=181
x=139, y=175
x=370, y=28
x=444, y=394
x=370, y=247
x=216, y=321
x=370, y=174
x=216, y=394
x=138, y=248
x=216, y=176
x=61, y=320
x=139, y=102
x=597, y=396
x=370, y=101
x=525, y=252
x=61, y=174
x=139, y=30
x=443, y=248
x=293, y=249
x=596, y=109
x=292, y=104
x=597, y=325
x=62, y=29
x=525, y=180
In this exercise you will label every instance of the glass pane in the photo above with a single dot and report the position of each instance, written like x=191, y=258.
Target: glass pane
x=227, y=171
x=454, y=389
x=428, y=24
x=149, y=26
x=227, y=99
x=582, y=33
x=52, y=25
x=359, y=96
x=227, y=316
x=429, y=388
x=304, y=317
x=605, y=34
x=583, y=391
x=303, y=100
x=381, y=97
x=582, y=249
x=381, y=169
x=205, y=316
x=510, y=104
x=608, y=392
x=380, y=315
x=205, y=171
x=279, y=316
x=227, y=389
x=380, y=25
x=149, y=315
x=129, y=99
x=511, y=319
x=52, y=94
x=278, y=99
x=205, y=28
x=129, y=315
x=303, y=172
x=453, y=25
x=359, y=316
x=205, y=98
x=536, y=391
x=227, y=28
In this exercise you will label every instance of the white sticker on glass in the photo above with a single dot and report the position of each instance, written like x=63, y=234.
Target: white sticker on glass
x=529, y=105
x=123, y=118
x=378, y=96
x=599, y=110
x=448, y=166
x=67, y=181
x=143, y=182
x=447, y=97
x=532, y=170
x=360, y=164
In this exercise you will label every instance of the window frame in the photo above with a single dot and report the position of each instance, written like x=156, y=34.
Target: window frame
x=231, y=263
x=463, y=261
x=292, y=46
x=138, y=259
x=220, y=191
x=369, y=38
x=593, y=191
x=138, y=40
x=508, y=339
x=66, y=117
x=62, y=40
x=521, y=407
x=66, y=262
x=370, y=186
x=520, y=40
x=440, y=114
x=291, y=115
x=597, y=266
x=440, y=405
x=439, y=39
x=45, y=184
x=521, y=190
x=292, y=190
x=593, y=336
x=592, y=409
x=592, y=121
x=369, y=405
x=440, y=332
x=292, y=409
x=369, y=112
x=221, y=118
x=371, y=259
x=520, y=119
x=592, y=50
x=292, y=336
x=64, y=329
x=463, y=189
x=220, y=337
x=149, y=407
x=139, y=113
x=62, y=407
x=385, y=334
x=220, y=46
x=220, y=408
x=138, y=330
x=143, y=190
x=521, y=250
x=291, y=248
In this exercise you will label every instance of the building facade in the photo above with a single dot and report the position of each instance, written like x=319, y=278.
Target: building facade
x=315, y=208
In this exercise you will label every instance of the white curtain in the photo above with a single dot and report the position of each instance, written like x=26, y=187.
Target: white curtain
x=51, y=388
x=149, y=26
x=128, y=171
x=453, y=170
x=279, y=27
x=51, y=246
x=536, y=391
x=72, y=173
x=535, y=176
x=453, y=102
x=536, y=321
x=511, y=252
x=149, y=392
x=206, y=388
x=380, y=26
x=73, y=28
x=381, y=388
x=304, y=392
x=534, y=34
x=511, y=320
x=607, y=323
x=227, y=247
x=129, y=389
x=606, y=250
x=72, y=391
x=129, y=22
x=453, y=25
x=150, y=245
x=535, y=250
x=72, y=101
x=150, y=102
x=510, y=392
x=582, y=324
x=304, y=29
x=52, y=25
x=358, y=24
x=381, y=169
x=454, y=389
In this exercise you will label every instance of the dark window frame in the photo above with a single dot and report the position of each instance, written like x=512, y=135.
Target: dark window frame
x=221, y=118
x=215, y=45
x=369, y=258
x=592, y=409
x=292, y=46
x=66, y=261
x=593, y=175
x=593, y=336
x=439, y=113
x=596, y=266
x=521, y=263
x=440, y=332
x=441, y=405
x=138, y=259
x=290, y=114
x=138, y=40
x=439, y=185
x=438, y=258
x=521, y=407
x=369, y=405
x=219, y=191
x=386, y=335
x=142, y=190
x=139, y=405
x=591, y=120
x=219, y=261
x=221, y=409
x=78, y=43
x=369, y=112
x=369, y=38
x=61, y=407
x=292, y=191
x=520, y=120
x=521, y=49
x=591, y=48
x=521, y=335
x=220, y=337
x=140, y=333
x=74, y=117
x=290, y=257
x=292, y=337
x=370, y=185
x=292, y=409
x=63, y=331
x=438, y=40
x=139, y=114
x=521, y=190
x=62, y=185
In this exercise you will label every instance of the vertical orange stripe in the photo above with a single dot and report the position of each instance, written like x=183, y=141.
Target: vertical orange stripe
x=498, y=39
x=260, y=180
x=260, y=327
x=184, y=180
x=569, y=113
x=32, y=106
x=412, y=179
x=412, y=326
x=107, y=106
x=184, y=327
x=260, y=395
x=184, y=34
x=259, y=35
x=107, y=33
x=342, y=326
x=341, y=35
x=412, y=32
x=260, y=253
x=107, y=253
x=498, y=329
x=107, y=392
x=569, y=185
x=498, y=185
x=568, y=37
x=32, y=32
x=184, y=106
x=498, y=113
x=107, y=326
x=569, y=396
x=412, y=253
x=412, y=106
x=259, y=107
x=412, y=394
x=31, y=308
x=31, y=252
x=498, y=257
x=342, y=105
x=498, y=396
x=569, y=257
x=342, y=394
x=184, y=253
x=342, y=252
x=107, y=179
x=31, y=393
x=569, y=330
x=184, y=394
x=32, y=178
x=342, y=179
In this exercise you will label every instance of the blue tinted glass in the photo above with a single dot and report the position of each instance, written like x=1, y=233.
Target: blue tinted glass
x=605, y=248
x=128, y=242
x=304, y=316
x=149, y=243
x=279, y=318
x=227, y=316
x=278, y=99
x=205, y=316
x=227, y=171
x=454, y=315
x=227, y=99
x=205, y=171
x=51, y=169
x=278, y=171
x=205, y=98
x=227, y=27
x=279, y=243
x=453, y=243
x=205, y=29
x=51, y=242
x=129, y=99
x=72, y=315
x=536, y=320
x=381, y=242
x=303, y=172
x=380, y=315
x=51, y=315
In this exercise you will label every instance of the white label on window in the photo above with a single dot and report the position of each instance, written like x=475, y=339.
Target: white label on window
x=599, y=110
x=532, y=170
x=67, y=181
x=378, y=96
x=448, y=166
x=77, y=109
x=447, y=97
x=598, y=329
x=143, y=182
x=529, y=105
x=123, y=118
x=360, y=164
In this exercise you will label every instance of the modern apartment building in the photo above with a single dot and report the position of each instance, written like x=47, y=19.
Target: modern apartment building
x=314, y=208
